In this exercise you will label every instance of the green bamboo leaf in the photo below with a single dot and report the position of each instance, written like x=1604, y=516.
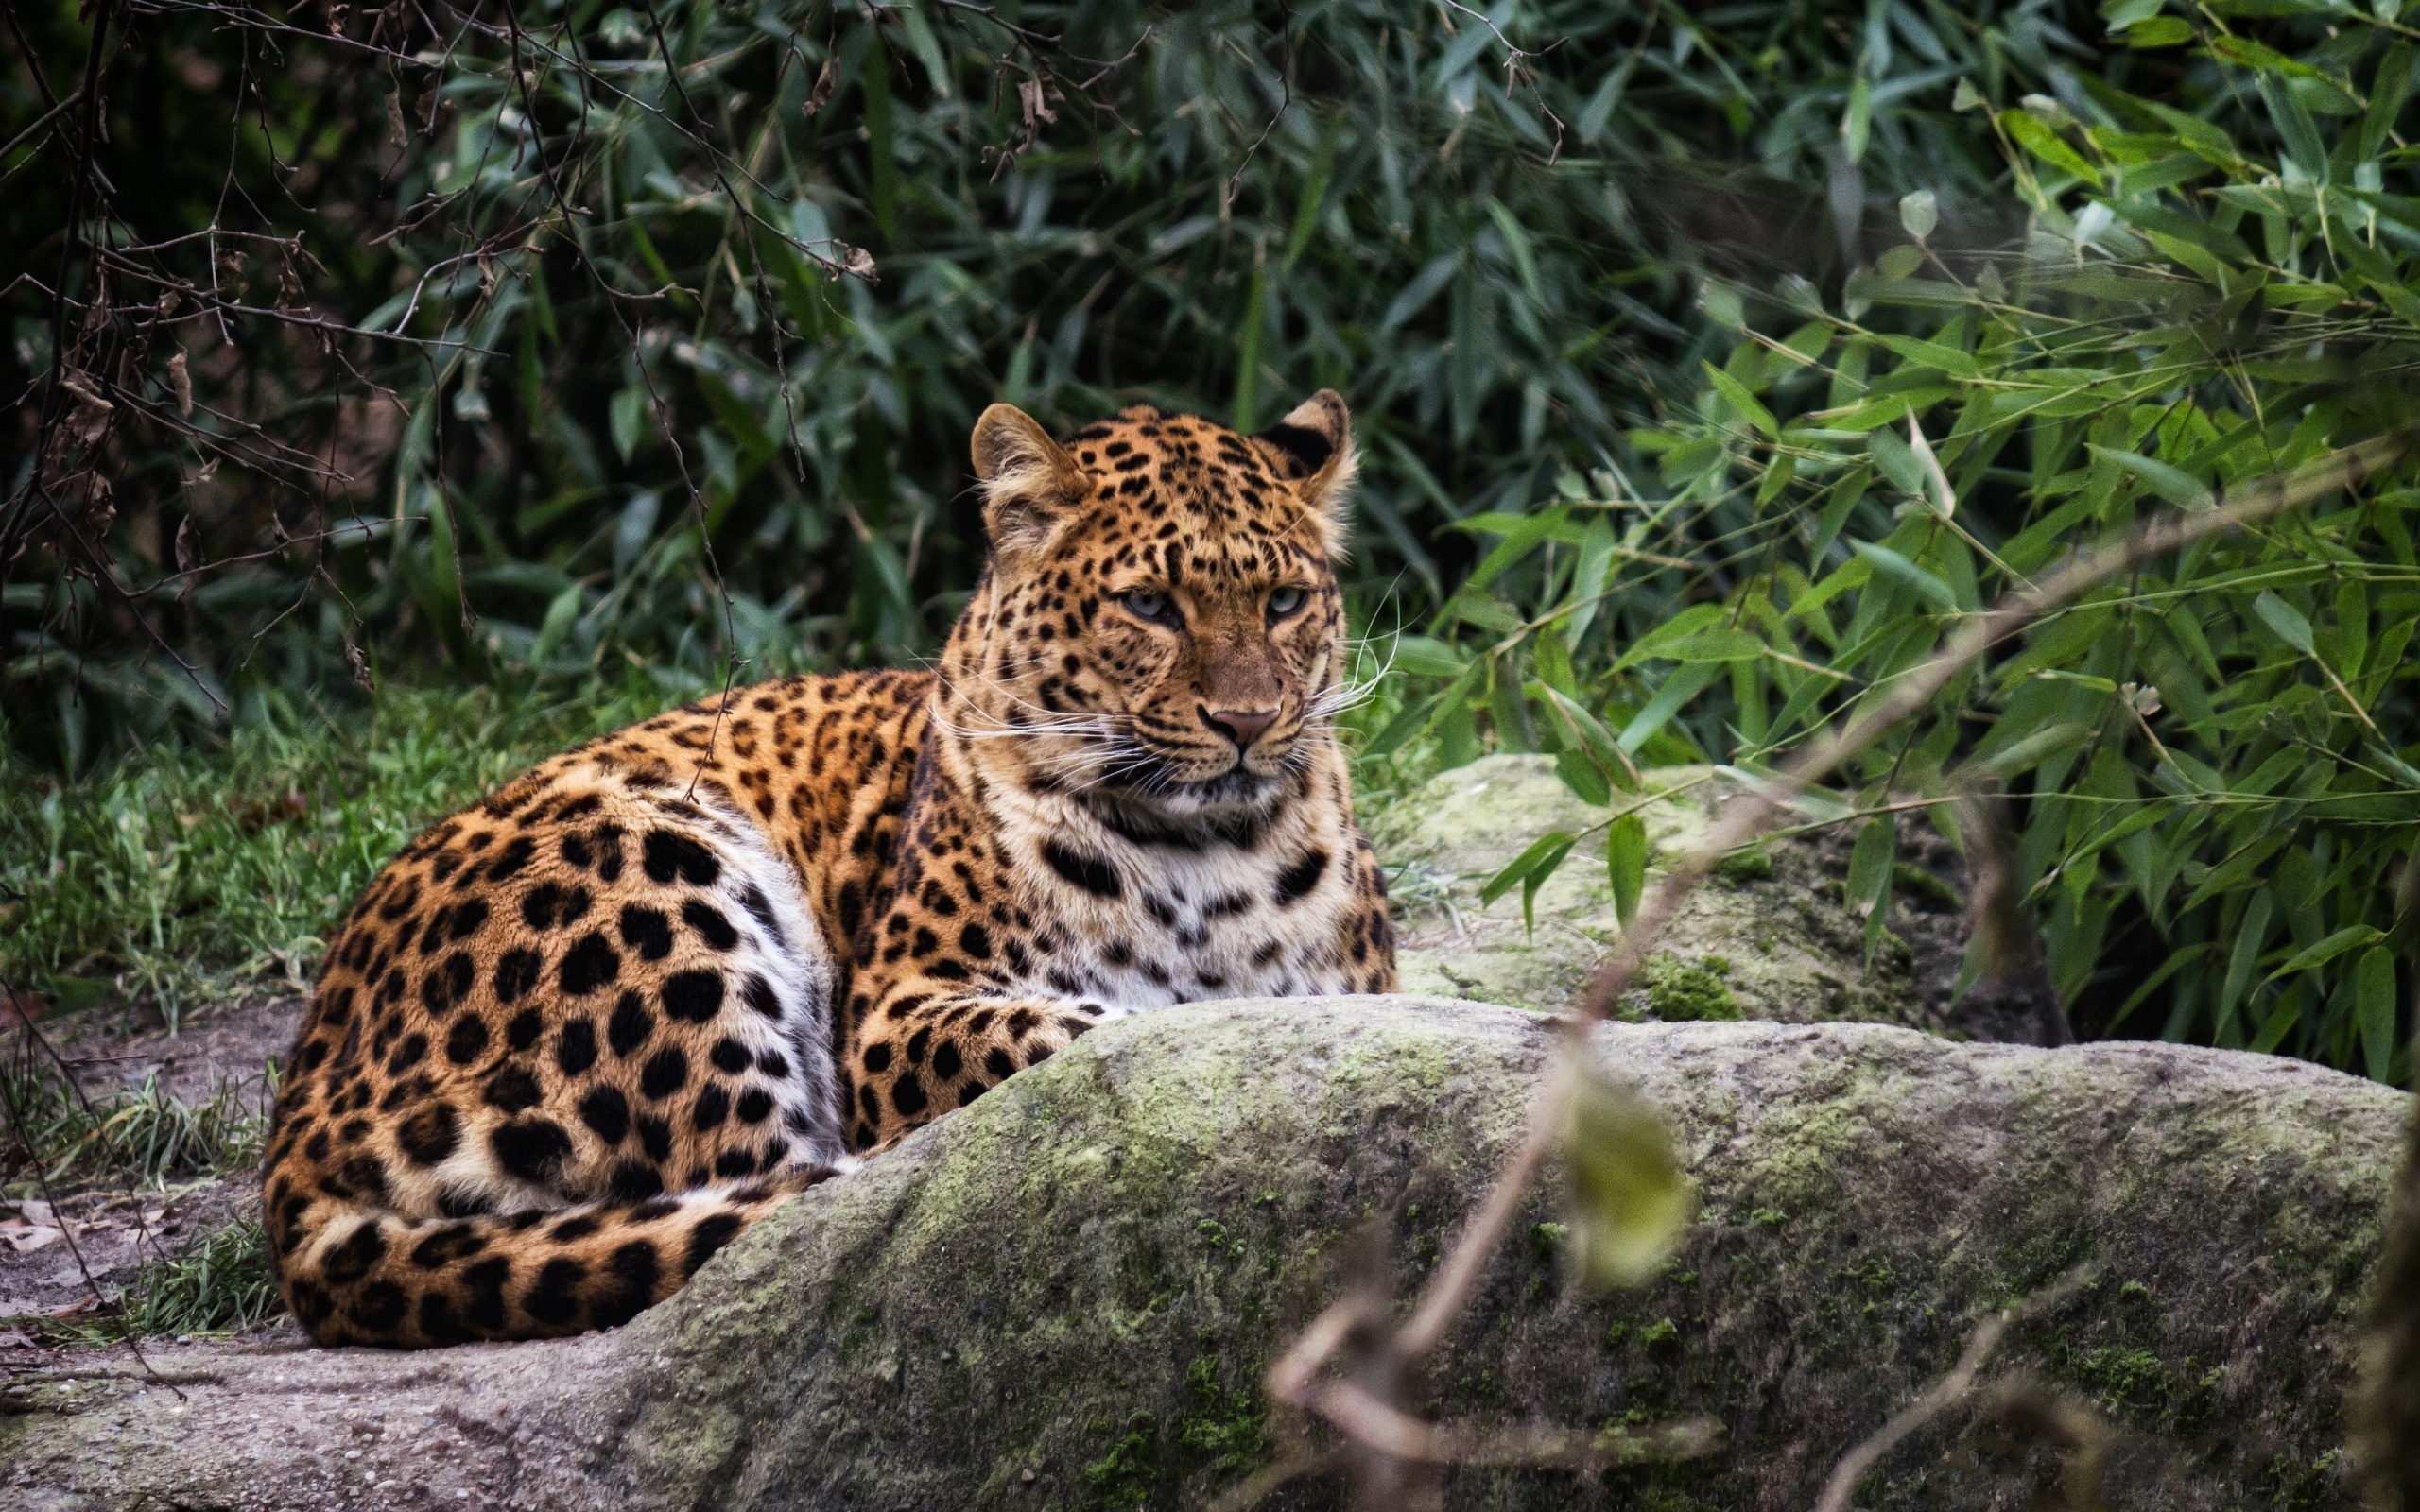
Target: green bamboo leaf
x=1591, y=575
x=1626, y=864
x=2279, y=1023
x=1934, y=356
x=1687, y=683
x=2030, y=133
x=1869, y=879
x=2250, y=54
x=2173, y=484
x=1586, y=779
x=1417, y=717
x=1719, y=643
x=1516, y=241
x=1872, y=867
x=2177, y=960
x=2389, y=87
x=627, y=412
x=2033, y=751
x=1857, y=122
x=2353, y=936
x=2159, y=31
x=2251, y=934
x=1691, y=621
x=2352, y=628
x=562, y=613
x=1423, y=655
x=1423, y=287
x=1547, y=850
x=1536, y=879
x=634, y=528
x=1898, y=462
x=1736, y=394
x=1845, y=497
x=1584, y=727
x=1891, y=564
x=1530, y=871
x=2286, y=620
x=2377, y=1010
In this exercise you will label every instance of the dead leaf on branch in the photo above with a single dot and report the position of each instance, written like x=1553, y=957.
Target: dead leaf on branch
x=1033, y=97
x=188, y=556
x=821, y=96
x=91, y=420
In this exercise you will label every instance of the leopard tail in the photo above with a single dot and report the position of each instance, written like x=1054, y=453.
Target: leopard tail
x=357, y=1273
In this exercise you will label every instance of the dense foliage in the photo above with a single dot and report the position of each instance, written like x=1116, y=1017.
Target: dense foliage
x=2216, y=295
x=484, y=312
x=1708, y=364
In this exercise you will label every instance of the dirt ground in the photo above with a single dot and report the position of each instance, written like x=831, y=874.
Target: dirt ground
x=65, y=1259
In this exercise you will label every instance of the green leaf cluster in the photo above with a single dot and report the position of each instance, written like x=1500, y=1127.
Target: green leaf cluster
x=2215, y=761
x=654, y=332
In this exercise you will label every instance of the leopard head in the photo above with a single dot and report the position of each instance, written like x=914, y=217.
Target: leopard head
x=1160, y=626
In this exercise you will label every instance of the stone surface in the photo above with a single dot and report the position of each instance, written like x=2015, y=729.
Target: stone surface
x=1767, y=938
x=1063, y=1296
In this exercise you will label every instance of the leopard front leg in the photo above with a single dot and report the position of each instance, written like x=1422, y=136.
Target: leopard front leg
x=927, y=1047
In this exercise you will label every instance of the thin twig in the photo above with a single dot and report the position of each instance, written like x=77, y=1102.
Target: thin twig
x=40, y=122
x=1943, y=1393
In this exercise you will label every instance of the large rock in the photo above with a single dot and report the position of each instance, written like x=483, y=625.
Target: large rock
x=1768, y=936
x=1063, y=1296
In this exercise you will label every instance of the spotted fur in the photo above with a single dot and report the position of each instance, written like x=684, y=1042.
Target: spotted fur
x=572, y=1041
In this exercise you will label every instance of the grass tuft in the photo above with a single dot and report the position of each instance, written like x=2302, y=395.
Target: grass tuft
x=144, y=1137
x=221, y=1283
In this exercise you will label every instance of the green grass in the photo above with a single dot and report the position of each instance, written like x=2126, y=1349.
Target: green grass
x=181, y=875
x=220, y=1282
x=143, y=1136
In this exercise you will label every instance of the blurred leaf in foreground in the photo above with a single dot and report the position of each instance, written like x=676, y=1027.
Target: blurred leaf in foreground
x=1630, y=1199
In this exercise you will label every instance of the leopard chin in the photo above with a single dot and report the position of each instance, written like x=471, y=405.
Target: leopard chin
x=1150, y=782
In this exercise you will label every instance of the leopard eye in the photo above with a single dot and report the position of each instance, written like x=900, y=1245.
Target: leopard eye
x=1145, y=604
x=1285, y=601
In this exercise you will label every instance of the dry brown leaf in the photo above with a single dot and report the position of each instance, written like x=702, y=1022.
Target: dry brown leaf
x=821, y=96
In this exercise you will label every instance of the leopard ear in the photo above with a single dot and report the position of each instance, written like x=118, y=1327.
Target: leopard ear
x=1314, y=446
x=1028, y=480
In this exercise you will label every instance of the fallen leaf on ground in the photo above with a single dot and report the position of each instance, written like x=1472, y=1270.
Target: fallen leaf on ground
x=25, y=1238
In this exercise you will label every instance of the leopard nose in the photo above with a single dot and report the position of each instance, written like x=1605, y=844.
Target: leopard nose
x=1243, y=726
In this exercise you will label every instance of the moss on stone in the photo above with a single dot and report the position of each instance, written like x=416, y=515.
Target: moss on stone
x=1066, y=1294
x=1799, y=957
x=1678, y=993
x=1748, y=863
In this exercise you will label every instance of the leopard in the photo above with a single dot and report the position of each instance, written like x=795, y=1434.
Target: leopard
x=575, y=1038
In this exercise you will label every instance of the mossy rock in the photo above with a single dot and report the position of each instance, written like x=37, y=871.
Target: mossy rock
x=1769, y=928
x=1065, y=1295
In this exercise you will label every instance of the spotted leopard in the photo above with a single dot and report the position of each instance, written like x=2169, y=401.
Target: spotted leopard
x=575, y=1037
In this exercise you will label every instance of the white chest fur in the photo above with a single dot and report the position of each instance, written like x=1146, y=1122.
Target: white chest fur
x=1143, y=926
